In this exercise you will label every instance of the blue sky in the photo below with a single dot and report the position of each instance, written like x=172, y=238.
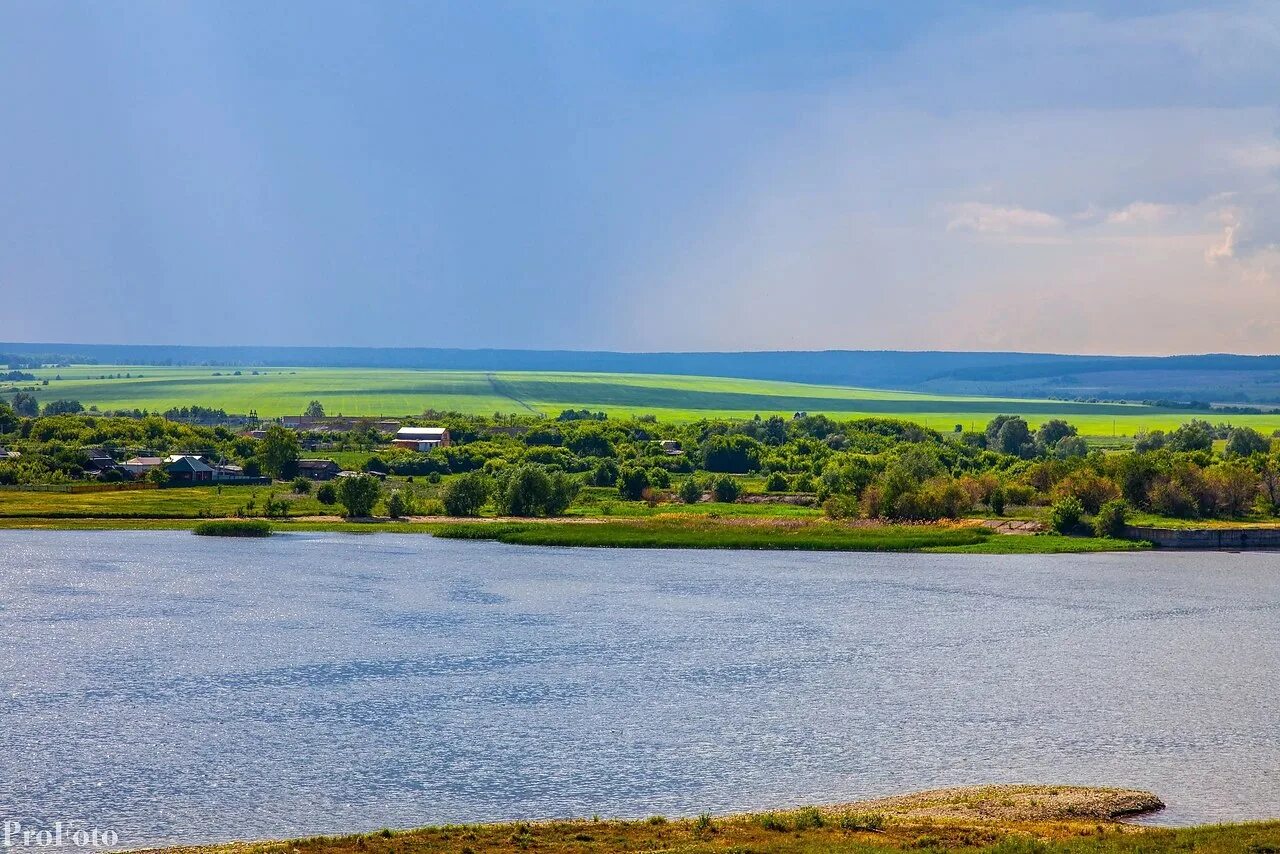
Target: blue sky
x=1075, y=177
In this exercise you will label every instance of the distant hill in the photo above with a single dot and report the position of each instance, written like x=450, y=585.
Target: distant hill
x=1208, y=378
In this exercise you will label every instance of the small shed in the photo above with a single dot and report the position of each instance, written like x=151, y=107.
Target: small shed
x=318, y=469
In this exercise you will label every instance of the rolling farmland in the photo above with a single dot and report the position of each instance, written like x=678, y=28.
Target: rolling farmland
x=398, y=392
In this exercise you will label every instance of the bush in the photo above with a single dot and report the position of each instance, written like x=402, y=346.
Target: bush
x=776, y=482
x=233, y=528
x=1064, y=515
x=726, y=489
x=432, y=507
x=326, y=494
x=996, y=501
x=359, y=494
x=397, y=506
x=531, y=491
x=804, y=483
x=301, y=486
x=1111, y=519
x=690, y=491
x=840, y=507
x=466, y=494
x=632, y=482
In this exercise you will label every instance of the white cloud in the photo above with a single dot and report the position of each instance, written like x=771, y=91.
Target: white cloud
x=978, y=216
x=1141, y=213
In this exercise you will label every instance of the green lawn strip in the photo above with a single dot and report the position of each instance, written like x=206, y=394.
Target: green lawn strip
x=1014, y=544
x=700, y=535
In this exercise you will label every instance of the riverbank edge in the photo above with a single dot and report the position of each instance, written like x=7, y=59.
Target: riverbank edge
x=763, y=534
x=1017, y=817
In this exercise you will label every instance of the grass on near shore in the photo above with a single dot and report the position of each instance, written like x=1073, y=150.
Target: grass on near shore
x=986, y=820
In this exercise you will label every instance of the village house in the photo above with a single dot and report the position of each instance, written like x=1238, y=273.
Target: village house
x=139, y=466
x=421, y=438
x=187, y=468
x=318, y=469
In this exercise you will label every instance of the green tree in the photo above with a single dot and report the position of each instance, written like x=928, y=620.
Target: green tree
x=532, y=491
x=1111, y=519
x=8, y=418
x=1009, y=434
x=466, y=494
x=1145, y=441
x=63, y=407
x=1245, y=442
x=726, y=489
x=397, y=506
x=1052, y=432
x=158, y=476
x=690, y=491
x=314, y=410
x=301, y=486
x=1195, y=435
x=632, y=482
x=736, y=453
x=359, y=494
x=1064, y=515
x=279, y=452
x=776, y=482
x=327, y=495
x=26, y=405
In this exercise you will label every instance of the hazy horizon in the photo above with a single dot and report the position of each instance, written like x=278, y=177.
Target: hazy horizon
x=1050, y=178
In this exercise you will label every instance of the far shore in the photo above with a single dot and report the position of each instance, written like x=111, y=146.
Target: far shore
x=1002, y=819
x=659, y=531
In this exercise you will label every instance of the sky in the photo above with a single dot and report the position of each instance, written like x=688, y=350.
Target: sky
x=1071, y=177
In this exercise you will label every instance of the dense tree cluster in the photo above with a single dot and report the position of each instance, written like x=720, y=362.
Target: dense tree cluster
x=871, y=467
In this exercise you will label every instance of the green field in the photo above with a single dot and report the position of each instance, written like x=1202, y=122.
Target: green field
x=399, y=392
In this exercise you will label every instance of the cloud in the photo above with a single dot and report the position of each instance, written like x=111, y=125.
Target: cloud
x=1141, y=213
x=982, y=217
x=1226, y=247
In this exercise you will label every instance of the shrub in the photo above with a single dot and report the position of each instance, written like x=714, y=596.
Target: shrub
x=772, y=821
x=466, y=494
x=690, y=491
x=326, y=494
x=397, y=506
x=1064, y=515
x=359, y=494
x=702, y=824
x=804, y=483
x=840, y=507
x=807, y=818
x=233, y=528
x=726, y=489
x=1111, y=518
x=632, y=482
x=301, y=486
x=777, y=482
x=432, y=507
x=996, y=501
x=531, y=491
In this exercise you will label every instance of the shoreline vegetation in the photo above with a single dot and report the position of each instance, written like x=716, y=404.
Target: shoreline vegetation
x=674, y=532
x=1001, y=819
x=804, y=482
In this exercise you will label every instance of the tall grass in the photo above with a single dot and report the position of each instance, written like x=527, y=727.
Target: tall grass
x=232, y=528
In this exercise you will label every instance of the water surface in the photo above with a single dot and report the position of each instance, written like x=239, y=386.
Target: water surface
x=183, y=689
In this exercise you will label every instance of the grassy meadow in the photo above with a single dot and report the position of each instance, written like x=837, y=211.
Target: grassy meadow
x=396, y=392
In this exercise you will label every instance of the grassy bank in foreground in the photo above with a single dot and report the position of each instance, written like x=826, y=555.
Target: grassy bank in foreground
x=996, y=819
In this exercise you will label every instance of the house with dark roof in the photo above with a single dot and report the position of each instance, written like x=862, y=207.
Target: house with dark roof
x=186, y=468
x=318, y=469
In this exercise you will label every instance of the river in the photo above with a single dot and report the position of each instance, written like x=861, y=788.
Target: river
x=180, y=689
